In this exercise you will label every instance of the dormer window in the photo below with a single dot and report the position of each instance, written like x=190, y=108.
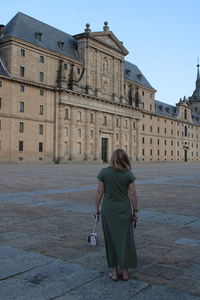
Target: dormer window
x=139, y=76
x=160, y=107
x=61, y=45
x=38, y=36
x=167, y=109
x=128, y=72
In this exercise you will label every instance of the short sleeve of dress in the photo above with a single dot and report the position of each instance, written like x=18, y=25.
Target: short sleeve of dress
x=131, y=177
x=100, y=175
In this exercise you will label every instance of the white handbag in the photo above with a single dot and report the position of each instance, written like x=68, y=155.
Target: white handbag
x=92, y=237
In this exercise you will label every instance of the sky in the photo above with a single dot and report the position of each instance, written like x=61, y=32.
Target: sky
x=161, y=35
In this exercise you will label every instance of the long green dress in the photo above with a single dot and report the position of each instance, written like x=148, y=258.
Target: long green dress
x=116, y=218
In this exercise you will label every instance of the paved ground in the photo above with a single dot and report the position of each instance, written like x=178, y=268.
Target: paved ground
x=46, y=216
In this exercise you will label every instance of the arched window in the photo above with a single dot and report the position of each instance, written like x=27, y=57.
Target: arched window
x=185, y=114
x=185, y=130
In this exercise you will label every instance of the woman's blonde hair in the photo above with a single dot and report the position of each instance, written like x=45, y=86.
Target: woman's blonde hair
x=120, y=160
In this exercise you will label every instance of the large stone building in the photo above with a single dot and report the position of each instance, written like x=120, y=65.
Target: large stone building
x=76, y=98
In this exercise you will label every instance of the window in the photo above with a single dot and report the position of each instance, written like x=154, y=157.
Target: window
x=22, y=71
x=165, y=130
x=91, y=118
x=0, y=124
x=38, y=36
x=41, y=110
x=61, y=45
x=117, y=136
x=158, y=129
x=65, y=66
x=158, y=141
x=79, y=132
x=151, y=152
x=66, y=114
x=0, y=103
x=21, y=126
x=177, y=153
x=142, y=151
x=185, y=131
x=177, y=143
x=66, y=131
x=126, y=124
x=79, y=148
x=172, y=143
x=40, y=129
x=91, y=133
x=195, y=109
x=158, y=152
x=165, y=142
x=143, y=127
x=78, y=70
x=41, y=76
x=22, y=52
x=40, y=147
x=79, y=116
x=66, y=147
x=177, y=133
x=41, y=59
x=21, y=87
x=41, y=93
x=21, y=106
x=172, y=132
x=172, y=153
x=151, y=128
x=150, y=106
x=151, y=141
x=21, y=146
x=0, y=83
x=133, y=125
x=105, y=120
x=185, y=114
x=117, y=122
x=165, y=152
x=143, y=140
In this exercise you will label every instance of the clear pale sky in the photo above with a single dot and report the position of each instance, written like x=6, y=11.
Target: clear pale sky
x=162, y=36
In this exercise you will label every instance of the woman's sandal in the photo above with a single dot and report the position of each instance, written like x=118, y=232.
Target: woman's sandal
x=113, y=276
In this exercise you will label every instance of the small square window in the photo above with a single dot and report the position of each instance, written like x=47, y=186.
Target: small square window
x=40, y=147
x=21, y=146
x=40, y=129
x=41, y=59
x=22, y=71
x=41, y=109
x=21, y=88
x=21, y=126
x=41, y=76
x=21, y=106
x=22, y=52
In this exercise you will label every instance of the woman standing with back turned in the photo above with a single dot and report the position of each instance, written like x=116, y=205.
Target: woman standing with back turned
x=118, y=211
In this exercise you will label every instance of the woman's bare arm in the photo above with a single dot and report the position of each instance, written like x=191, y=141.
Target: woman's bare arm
x=134, y=201
x=99, y=195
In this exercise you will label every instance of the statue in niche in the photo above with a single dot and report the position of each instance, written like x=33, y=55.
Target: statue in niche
x=105, y=64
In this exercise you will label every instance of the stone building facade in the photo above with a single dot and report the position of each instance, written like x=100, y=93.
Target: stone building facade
x=65, y=98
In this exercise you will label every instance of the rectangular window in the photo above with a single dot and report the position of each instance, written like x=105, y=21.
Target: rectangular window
x=172, y=132
x=143, y=127
x=79, y=148
x=91, y=133
x=158, y=152
x=165, y=142
x=117, y=122
x=22, y=71
x=165, y=152
x=117, y=136
x=126, y=124
x=151, y=152
x=21, y=126
x=21, y=146
x=41, y=93
x=158, y=142
x=142, y=151
x=177, y=143
x=21, y=106
x=133, y=125
x=66, y=131
x=143, y=140
x=79, y=116
x=41, y=110
x=165, y=130
x=158, y=129
x=65, y=66
x=66, y=114
x=42, y=59
x=21, y=88
x=0, y=124
x=22, y=52
x=40, y=147
x=151, y=128
x=0, y=83
x=91, y=118
x=40, y=129
x=172, y=153
x=41, y=76
x=105, y=120
x=172, y=143
x=151, y=141
x=0, y=103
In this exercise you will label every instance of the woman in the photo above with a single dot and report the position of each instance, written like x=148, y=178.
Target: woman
x=118, y=212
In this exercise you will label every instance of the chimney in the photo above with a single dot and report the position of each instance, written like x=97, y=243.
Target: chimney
x=1, y=30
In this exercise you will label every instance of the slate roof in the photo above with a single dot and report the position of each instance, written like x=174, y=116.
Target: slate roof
x=25, y=28
x=133, y=73
x=165, y=109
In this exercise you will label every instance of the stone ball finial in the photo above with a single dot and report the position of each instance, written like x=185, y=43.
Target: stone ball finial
x=105, y=27
x=87, y=29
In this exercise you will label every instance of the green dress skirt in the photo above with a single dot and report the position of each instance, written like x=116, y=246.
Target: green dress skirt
x=116, y=218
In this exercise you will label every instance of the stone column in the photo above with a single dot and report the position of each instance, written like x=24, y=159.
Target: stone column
x=97, y=138
x=132, y=158
x=138, y=144
x=114, y=133
x=72, y=146
x=88, y=80
x=114, y=79
x=121, y=134
x=60, y=133
x=122, y=81
x=87, y=135
x=98, y=77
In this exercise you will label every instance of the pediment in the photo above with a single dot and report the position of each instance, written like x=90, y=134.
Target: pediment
x=110, y=40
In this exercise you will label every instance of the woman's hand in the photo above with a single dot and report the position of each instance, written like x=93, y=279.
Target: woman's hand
x=96, y=214
x=134, y=217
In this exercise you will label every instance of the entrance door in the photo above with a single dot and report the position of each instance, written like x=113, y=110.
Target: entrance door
x=186, y=158
x=104, y=149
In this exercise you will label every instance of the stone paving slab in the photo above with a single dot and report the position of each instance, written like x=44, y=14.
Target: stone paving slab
x=46, y=216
